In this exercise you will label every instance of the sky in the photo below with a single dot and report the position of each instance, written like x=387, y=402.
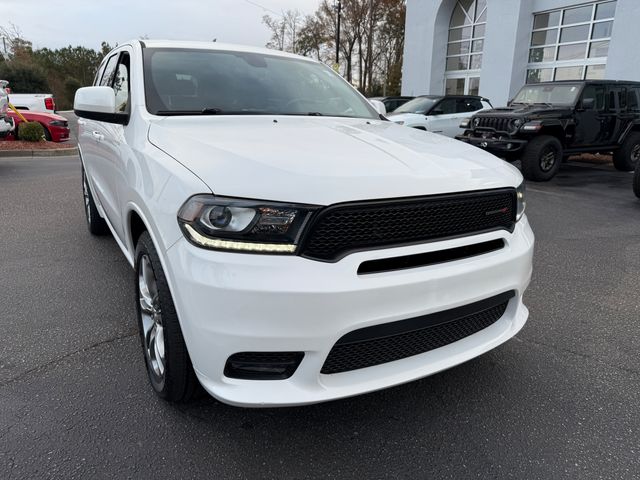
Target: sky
x=58, y=23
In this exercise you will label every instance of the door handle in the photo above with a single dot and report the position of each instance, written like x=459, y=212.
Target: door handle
x=98, y=136
x=81, y=122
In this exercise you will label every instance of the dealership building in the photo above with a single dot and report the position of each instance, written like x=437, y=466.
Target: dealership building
x=493, y=47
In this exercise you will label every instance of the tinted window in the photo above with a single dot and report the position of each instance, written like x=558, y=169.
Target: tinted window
x=446, y=106
x=596, y=93
x=186, y=81
x=617, y=98
x=109, y=70
x=464, y=105
x=633, y=99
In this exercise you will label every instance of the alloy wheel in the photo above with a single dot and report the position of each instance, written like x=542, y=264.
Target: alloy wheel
x=548, y=159
x=152, y=326
x=635, y=153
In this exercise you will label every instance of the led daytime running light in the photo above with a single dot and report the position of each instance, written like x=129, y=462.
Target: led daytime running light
x=238, y=246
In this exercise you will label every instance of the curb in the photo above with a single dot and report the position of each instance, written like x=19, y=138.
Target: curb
x=58, y=152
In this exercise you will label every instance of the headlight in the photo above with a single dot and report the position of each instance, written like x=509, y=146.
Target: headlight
x=58, y=123
x=465, y=123
x=517, y=123
x=250, y=226
x=522, y=201
x=399, y=122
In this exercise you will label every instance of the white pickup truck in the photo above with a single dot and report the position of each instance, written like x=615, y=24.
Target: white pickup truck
x=37, y=102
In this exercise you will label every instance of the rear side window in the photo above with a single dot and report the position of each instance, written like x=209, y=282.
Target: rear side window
x=109, y=70
x=633, y=99
x=464, y=105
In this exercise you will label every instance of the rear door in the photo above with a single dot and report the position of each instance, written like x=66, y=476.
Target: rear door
x=591, y=117
x=613, y=121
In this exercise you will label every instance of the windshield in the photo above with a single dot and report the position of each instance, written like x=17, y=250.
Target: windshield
x=548, y=94
x=419, y=105
x=212, y=82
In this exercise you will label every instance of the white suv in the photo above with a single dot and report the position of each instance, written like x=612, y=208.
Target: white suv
x=290, y=244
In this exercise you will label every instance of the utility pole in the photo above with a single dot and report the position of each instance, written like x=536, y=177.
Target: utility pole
x=338, y=37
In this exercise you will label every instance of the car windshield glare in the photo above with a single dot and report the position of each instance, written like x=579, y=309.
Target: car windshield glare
x=216, y=82
x=420, y=105
x=548, y=94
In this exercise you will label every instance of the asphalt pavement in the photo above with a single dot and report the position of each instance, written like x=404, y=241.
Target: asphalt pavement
x=558, y=401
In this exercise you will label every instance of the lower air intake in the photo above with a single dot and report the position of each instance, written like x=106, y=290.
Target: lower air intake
x=397, y=340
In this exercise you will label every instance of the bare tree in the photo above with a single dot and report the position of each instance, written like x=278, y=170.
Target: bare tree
x=284, y=30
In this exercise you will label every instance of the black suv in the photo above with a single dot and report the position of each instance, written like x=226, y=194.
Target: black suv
x=546, y=122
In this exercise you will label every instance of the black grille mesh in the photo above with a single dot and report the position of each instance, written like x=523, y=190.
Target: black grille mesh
x=376, y=351
x=501, y=124
x=345, y=228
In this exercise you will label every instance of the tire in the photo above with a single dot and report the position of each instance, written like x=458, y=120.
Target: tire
x=97, y=225
x=47, y=133
x=168, y=364
x=626, y=157
x=537, y=165
x=636, y=182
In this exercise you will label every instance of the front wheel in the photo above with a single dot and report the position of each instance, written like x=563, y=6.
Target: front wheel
x=168, y=364
x=626, y=157
x=541, y=159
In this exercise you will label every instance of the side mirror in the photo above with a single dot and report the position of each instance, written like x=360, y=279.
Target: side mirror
x=588, y=103
x=98, y=103
x=437, y=111
x=379, y=106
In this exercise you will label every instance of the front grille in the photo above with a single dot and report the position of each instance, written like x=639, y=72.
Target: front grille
x=500, y=124
x=397, y=340
x=345, y=228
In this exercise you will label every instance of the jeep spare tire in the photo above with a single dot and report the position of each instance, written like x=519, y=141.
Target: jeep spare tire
x=626, y=157
x=541, y=158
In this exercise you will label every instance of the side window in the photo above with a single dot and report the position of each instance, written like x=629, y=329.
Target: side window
x=98, y=76
x=109, y=69
x=633, y=99
x=595, y=93
x=446, y=106
x=465, y=105
x=617, y=98
x=121, y=83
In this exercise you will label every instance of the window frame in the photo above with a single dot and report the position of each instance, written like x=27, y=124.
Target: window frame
x=586, y=60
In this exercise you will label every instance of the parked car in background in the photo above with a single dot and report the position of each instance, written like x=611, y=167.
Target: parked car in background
x=439, y=114
x=547, y=122
x=38, y=102
x=56, y=127
x=335, y=253
x=391, y=103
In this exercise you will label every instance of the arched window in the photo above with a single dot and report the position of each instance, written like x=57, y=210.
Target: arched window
x=464, y=49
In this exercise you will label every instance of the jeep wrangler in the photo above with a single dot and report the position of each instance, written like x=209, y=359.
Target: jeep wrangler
x=550, y=121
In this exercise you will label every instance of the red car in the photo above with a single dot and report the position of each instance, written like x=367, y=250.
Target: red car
x=56, y=127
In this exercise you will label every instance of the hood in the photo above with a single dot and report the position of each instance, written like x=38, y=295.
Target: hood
x=528, y=111
x=324, y=160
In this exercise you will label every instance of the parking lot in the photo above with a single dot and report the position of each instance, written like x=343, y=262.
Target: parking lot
x=558, y=401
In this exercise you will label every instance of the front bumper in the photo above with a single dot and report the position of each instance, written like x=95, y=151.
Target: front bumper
x=59, y=134
x=500, y=145
x=229, y=303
